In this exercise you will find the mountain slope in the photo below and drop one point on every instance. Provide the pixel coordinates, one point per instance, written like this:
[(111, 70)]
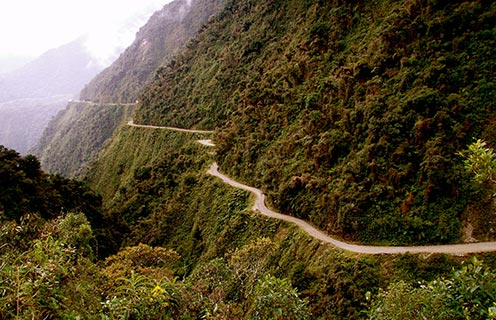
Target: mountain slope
[(22, 121), (155, 187), (74, 137), (25, 189), (349, 115), (167, 31), (295, 116)]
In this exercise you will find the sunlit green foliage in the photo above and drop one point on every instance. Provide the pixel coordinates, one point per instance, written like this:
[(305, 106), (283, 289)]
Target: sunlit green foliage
[(154, 263), (481, 162), (140, 284), (249, 263), (276, 299), (469, 293), (51, 275), (402, 301)]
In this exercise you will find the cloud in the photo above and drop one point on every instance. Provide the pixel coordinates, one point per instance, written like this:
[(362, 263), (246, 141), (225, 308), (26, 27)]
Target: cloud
[(114, 33)]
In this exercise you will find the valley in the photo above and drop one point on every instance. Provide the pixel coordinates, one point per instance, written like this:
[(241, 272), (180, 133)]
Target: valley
[(22, 121), (267, 160)]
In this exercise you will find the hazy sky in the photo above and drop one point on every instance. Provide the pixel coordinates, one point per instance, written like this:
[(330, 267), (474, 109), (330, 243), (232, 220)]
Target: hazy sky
[(30, 27)]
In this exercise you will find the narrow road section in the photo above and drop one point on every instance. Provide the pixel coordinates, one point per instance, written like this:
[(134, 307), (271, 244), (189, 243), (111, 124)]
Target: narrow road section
[(132, 124), (207, 143), (93, 103)]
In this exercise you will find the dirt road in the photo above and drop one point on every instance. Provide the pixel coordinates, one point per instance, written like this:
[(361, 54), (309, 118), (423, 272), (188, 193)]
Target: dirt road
[(132, 124)]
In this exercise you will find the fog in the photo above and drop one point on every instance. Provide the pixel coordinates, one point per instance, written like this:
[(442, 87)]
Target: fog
[(29, 28)]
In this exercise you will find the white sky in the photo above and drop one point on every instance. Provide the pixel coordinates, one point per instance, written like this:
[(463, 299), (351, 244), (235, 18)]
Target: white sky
[(30, 27)]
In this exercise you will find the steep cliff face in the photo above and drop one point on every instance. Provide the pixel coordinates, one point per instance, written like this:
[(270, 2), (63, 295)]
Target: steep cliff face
[(65, 147), (165, 34), (348, 114)]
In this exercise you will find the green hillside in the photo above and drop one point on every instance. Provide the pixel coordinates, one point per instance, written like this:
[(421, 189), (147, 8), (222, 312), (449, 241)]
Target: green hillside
[(348, 114), (26, 189), (352, 115), (160, 194), (225, 262), (74, 137)]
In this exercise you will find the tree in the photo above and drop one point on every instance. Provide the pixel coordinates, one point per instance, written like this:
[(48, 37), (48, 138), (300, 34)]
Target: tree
[(249, 261), (276, 298), (481, 161), (140, 284), (48, 277)]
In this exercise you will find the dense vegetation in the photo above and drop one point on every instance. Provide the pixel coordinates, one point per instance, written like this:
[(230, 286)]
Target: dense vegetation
[(160, 194), (165, 34), (48, 272), (353, 115), (25, 189), (348, 114), (468, 294), (211, 258)]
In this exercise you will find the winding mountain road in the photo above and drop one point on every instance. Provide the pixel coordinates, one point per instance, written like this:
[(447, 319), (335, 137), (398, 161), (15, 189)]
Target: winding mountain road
[(260, 206)]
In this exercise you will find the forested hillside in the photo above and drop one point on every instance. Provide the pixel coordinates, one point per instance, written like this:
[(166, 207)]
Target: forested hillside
[(26, 190), (77, 134), (348, 114), (356, 116), (233, 260)]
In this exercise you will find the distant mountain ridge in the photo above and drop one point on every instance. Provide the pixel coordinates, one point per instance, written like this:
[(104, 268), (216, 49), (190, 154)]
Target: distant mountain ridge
[(10, 63), (64, 70), (31, 95)]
